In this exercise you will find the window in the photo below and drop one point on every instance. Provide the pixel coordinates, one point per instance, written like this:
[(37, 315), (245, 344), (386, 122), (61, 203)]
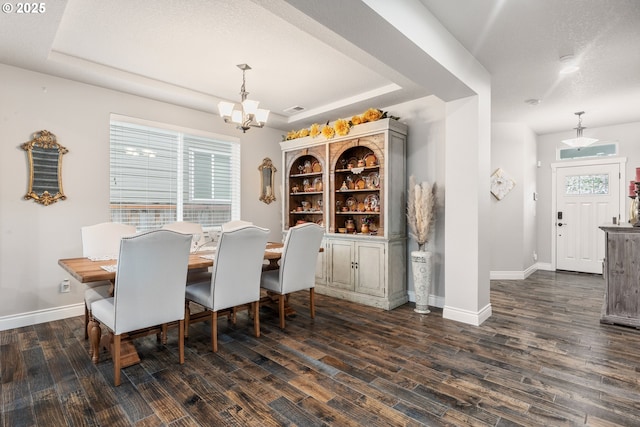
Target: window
[(602, 150), (575, 185), (161, 174)]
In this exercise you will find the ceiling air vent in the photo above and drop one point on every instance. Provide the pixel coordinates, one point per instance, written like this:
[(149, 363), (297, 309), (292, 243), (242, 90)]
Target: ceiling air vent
[(293, 110)]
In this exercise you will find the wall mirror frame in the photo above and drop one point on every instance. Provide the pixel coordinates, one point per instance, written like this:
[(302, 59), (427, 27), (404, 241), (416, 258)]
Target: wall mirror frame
[(267, 180), (45, 168)]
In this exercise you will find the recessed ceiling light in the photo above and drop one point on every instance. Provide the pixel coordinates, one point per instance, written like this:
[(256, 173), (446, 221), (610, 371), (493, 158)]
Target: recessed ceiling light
[(568, 64), (532, 101)]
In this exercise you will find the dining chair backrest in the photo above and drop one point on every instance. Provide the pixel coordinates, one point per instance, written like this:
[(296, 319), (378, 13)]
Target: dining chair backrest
[(232, 225), (103, 239), (299, 257), (150, 280), (237, 266), (186, 227)]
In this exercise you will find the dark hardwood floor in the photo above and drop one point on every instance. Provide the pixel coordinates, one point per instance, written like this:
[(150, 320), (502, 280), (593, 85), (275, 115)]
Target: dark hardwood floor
[(543, 359)]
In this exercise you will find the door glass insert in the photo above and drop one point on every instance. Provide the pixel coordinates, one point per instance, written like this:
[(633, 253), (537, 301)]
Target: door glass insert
[(586, 184)]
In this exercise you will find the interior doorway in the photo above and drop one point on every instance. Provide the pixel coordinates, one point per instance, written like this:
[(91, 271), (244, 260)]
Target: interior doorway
[(587, 195)]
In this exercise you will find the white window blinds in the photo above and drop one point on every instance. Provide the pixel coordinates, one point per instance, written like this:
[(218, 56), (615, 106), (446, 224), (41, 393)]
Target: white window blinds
[(161, 175)]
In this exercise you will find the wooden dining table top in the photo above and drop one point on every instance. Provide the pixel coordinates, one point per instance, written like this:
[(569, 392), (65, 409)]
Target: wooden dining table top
[(85, 270)]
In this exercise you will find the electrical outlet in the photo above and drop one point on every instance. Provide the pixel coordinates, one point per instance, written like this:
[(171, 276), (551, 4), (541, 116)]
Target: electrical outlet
[(65, 286), (535, 256)]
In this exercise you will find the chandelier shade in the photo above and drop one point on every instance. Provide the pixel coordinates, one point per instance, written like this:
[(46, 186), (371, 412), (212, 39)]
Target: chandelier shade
[(248, 114), (579, 141)]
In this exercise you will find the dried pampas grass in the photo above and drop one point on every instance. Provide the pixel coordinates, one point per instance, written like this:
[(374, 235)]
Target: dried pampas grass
[(420, 210)]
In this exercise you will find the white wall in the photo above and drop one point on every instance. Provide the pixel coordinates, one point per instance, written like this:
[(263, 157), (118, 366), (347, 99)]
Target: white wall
[(513, 149), (628, 138), (33, 237), (467, 129), (425, 161)]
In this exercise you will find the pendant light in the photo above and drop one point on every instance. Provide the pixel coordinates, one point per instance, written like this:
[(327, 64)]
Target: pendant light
[(248, 115), (579, 141)]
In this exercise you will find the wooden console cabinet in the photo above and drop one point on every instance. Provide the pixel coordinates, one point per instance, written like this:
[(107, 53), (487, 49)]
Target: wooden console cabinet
[(341, 183), (622, 275)]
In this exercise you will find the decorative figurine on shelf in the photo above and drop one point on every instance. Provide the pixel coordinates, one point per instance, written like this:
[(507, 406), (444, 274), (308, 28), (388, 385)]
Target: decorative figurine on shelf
[(350, 226), (307, 167), (344, 186), (364, 227)]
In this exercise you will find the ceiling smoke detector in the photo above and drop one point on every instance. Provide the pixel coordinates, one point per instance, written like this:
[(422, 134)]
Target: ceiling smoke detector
[(569, 64)]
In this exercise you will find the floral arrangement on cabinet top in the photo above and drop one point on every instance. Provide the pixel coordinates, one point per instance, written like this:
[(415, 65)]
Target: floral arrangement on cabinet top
[(341, 127)]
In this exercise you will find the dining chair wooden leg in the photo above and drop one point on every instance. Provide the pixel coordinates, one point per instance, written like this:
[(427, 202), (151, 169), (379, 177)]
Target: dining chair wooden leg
[(214, 331), (281, 300), (95, 334), (181, 341), (234, 311), (163, 334), (312, 303), (256, 317), (187, 318), (86, 321), (116, 360)]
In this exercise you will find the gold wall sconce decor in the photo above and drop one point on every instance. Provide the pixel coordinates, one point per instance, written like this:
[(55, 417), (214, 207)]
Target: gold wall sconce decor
[(267, 180)]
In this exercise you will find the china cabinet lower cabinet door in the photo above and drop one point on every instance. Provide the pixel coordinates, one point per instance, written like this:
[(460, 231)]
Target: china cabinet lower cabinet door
[(341, 271), (369, 268), (358, 270)]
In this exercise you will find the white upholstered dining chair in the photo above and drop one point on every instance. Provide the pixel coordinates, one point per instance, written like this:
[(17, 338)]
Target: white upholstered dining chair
[(234, 280), (297, 266), (231, 225), (198, 242), (192, 228), (101, 241), (149, 290)]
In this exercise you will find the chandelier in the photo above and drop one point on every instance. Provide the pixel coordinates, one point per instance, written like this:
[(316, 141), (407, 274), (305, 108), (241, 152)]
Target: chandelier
[(249, 115), (579, 141)]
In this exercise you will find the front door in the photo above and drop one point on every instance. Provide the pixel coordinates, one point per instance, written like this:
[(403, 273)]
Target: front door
[(586, 197)]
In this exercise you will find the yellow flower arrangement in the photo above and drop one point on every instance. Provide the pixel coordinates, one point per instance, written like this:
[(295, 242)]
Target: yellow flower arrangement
[(340, 127), (314, 130), (291, 135), (371, 115), (328, 132)]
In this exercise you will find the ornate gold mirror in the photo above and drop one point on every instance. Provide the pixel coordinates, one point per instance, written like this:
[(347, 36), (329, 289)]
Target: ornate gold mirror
[(45, 168), (267, 180)]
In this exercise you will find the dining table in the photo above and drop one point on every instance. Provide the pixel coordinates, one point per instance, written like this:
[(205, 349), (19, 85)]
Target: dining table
[(87, 270)]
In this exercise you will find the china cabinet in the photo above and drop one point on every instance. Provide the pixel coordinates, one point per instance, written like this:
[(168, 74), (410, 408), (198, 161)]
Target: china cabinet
[(354, 186)]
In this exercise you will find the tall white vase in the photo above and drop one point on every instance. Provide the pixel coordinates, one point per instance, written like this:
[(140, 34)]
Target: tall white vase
[(421, 267)]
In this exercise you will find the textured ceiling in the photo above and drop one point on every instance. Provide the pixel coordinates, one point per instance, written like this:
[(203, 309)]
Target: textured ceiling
[(314, 54), (520, 43)]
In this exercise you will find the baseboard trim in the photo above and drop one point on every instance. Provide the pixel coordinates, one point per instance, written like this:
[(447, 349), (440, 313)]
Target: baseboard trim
[(40, 316), (466, 316), (513, 275), (434, 300), (546, 266)]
